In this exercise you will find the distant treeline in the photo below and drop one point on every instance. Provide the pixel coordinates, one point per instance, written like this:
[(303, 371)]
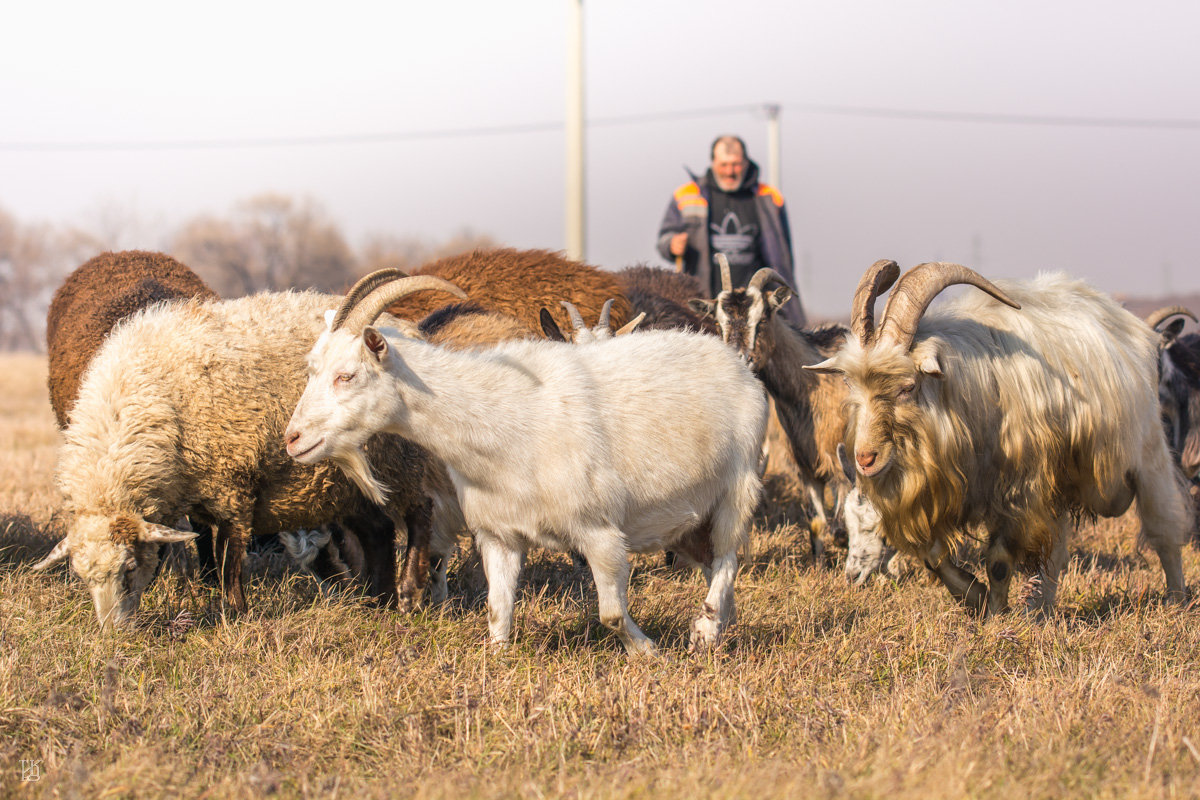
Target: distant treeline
[(268, 242)]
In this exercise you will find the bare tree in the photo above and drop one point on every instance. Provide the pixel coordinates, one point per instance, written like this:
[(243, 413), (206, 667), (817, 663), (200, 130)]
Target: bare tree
[(33, 260), (271, 242), (409, 252)]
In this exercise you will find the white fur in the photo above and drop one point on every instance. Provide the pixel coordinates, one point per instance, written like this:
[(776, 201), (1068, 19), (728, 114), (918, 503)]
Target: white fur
[(627, 444)]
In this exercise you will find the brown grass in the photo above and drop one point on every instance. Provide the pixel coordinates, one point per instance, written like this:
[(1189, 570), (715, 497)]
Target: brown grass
[(822, 691)]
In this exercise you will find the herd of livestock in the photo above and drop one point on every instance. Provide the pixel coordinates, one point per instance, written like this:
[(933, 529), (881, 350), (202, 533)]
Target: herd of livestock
[(450, 402)]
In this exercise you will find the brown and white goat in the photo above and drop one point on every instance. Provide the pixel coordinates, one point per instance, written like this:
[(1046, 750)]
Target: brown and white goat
[(809, 406)]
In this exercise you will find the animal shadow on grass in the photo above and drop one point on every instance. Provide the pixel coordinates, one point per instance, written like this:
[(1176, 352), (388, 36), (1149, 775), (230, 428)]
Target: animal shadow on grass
[(23, 541)]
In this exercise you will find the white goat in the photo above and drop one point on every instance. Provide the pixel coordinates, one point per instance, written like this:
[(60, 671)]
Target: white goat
[(636, 443), (1016, 420)]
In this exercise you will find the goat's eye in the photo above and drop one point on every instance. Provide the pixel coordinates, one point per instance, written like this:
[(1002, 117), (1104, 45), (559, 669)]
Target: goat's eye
[(344, 377), (906, 391)]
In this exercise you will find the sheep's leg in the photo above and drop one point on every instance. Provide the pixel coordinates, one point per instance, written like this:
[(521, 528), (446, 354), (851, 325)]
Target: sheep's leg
[(962, 585), (1041, 600), (206, 554), (376, 533), (606, 555), (232, 536), (999, 563), (502, 566), (1166, 520), (414, 574)]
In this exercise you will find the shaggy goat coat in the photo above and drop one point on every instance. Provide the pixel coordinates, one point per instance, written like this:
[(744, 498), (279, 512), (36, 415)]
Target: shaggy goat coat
[(1043, 412)]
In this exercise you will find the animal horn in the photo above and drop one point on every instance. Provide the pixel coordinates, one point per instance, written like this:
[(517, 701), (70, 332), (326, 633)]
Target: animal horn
[(916, 291), (1160, 316), (361, 289), (874, 282), (763, 277), (606, 313), (726, 279), (576, 318), (631, 326), (368, 309)]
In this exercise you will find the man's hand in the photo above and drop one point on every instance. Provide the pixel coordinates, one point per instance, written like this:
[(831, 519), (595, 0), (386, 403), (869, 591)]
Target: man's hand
[(679, 243)]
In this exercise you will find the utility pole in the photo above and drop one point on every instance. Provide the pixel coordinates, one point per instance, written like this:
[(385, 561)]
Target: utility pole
[(576, 234), (773, 148)]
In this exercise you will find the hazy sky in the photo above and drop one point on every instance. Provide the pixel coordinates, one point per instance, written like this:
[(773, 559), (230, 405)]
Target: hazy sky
[(1116, 204)]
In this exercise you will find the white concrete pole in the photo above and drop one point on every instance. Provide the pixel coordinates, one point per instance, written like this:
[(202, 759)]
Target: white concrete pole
[(773, 148), (576, 224)]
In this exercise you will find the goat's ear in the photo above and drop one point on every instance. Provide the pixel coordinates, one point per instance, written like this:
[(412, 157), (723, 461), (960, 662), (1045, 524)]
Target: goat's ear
[(60, 551), (777, 298), (161, 534), (705, 308), (827, 367), (550, 327), (1171, 331), (376, 344), (847, 465)]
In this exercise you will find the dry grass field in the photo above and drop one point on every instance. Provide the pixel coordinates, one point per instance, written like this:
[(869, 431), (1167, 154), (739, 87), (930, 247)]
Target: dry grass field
[(822, 691)]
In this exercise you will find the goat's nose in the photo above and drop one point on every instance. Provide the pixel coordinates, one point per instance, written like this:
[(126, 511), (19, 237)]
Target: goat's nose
[(291, 436), (865, 460)]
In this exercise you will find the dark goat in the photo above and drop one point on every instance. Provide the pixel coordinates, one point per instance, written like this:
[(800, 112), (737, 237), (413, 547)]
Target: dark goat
[(1179, 385), (663, 297), (809, 405)]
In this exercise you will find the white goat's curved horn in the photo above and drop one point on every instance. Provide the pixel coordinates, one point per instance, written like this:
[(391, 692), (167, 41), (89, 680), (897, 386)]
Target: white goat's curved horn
[(726, 279), (916, 291), (1156, 318), (878, 278), (370, 307), (364, 287), (631, 326), (576, 318), (606, 314)]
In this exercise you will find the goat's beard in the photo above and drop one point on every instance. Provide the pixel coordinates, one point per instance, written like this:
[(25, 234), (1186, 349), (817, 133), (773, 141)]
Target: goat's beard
[(357, 468)]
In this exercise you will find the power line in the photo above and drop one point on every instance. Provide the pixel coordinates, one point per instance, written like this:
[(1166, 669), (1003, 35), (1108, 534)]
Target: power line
[(628, 119)]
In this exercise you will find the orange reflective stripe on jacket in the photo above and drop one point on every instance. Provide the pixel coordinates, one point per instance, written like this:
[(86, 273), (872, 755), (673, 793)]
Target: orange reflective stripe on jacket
[(689, 195), (772, 192)]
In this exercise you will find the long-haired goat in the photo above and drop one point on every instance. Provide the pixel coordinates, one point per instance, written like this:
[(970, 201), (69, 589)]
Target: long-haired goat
[(182, 412), (810, 407), (634, 443), (1017, 420)]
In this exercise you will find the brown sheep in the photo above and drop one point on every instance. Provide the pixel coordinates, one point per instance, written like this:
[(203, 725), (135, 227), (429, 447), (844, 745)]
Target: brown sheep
[(520, 283), (95, 297)]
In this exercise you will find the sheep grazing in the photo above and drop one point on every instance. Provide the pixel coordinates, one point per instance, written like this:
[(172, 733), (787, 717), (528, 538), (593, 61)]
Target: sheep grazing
[(1179, 385), (634, 443), (809, 406), (95, 297), (980, 414), (182, 413), (519, 283)]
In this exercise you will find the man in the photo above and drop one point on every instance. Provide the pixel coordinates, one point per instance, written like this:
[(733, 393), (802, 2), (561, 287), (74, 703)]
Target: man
[(728, 211)]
